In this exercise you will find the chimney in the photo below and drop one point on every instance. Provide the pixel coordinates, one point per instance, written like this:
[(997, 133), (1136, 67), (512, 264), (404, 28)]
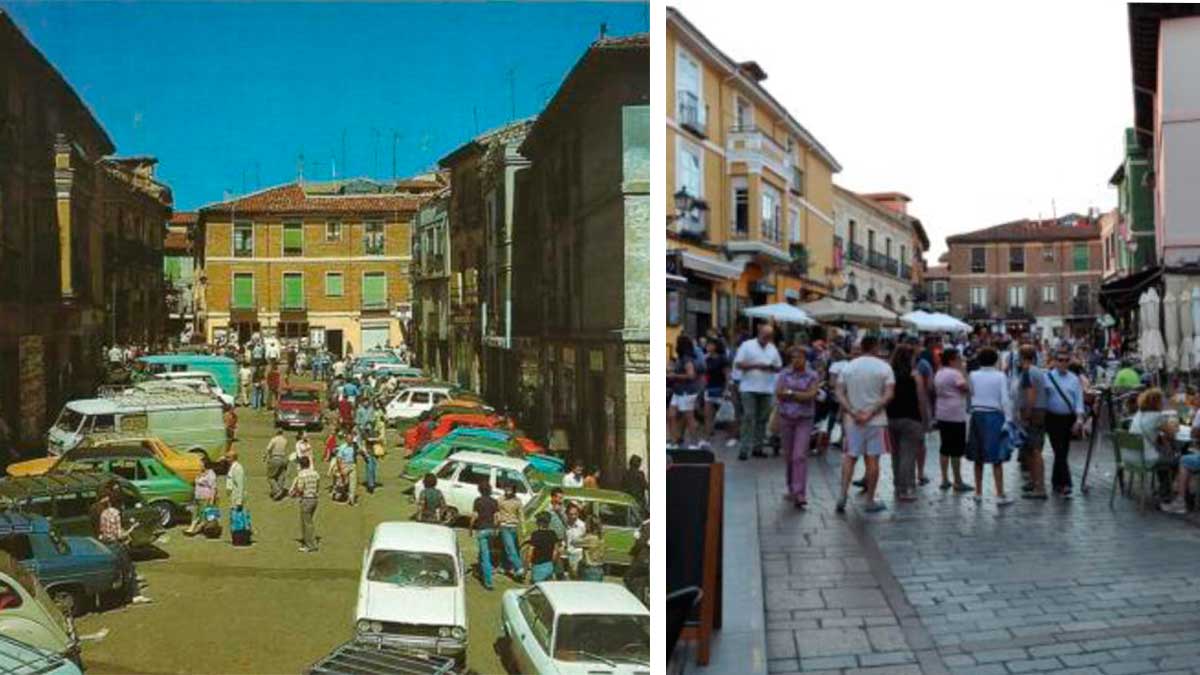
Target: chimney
[(893, 201), (603, 30), (752, 70)]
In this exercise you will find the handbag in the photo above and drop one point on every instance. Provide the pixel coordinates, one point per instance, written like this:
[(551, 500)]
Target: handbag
[(725, 413)]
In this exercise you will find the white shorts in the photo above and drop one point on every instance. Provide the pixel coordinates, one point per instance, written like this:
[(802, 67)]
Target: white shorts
[(684, 402), (865, 440)]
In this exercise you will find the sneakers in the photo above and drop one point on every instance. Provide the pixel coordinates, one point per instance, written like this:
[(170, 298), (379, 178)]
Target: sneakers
[(963, 487), (704, 445), (1034, 495), (875, 507), (978, 498), (946, 485), (860, 483), (841, 504), (923, 480), (1004, 500), (1176, 506), (731, 443)]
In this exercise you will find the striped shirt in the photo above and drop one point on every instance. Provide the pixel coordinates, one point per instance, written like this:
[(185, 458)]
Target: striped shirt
[(307, 484)]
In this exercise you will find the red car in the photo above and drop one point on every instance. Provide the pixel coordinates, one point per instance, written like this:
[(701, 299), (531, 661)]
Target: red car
[(299, 407), (422, 433)]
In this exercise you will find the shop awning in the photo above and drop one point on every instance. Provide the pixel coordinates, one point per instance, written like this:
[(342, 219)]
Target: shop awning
[(1121, 295), (711, 267)]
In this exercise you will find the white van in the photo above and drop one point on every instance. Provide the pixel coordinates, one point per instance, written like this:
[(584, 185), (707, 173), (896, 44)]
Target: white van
[(459, 478), (412, 592), (184, 420), (411, 402), (200, 381)]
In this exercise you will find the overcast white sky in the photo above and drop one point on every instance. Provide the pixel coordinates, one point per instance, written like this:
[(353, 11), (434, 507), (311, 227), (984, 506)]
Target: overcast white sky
[(982, 113)]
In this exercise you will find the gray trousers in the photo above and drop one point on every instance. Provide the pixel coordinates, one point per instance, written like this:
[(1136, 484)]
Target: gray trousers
[(906, 436), (277, 476), (308, 531), (756, 410)]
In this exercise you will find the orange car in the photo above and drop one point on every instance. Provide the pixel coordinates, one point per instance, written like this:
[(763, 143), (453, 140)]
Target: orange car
[(433, 429), (185, 465)]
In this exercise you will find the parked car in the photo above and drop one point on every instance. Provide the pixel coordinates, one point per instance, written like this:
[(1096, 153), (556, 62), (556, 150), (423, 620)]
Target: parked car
[(460, 476), (576, 627), (186, 420), (408, 404), (434, 429), (200, 381), (223, 369), (186, 465), (28, 614), (619, 513), (299, 407), (65, 499), (78, 572), (412, 591), (19, 658), (348, 659), (366, 361), (490, 441), (169, 494)]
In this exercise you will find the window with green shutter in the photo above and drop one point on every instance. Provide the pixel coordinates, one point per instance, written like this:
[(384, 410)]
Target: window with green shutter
[(293, 239), (243, 290), (293, 290), (1081, 257), (374, 293), (334, 284)]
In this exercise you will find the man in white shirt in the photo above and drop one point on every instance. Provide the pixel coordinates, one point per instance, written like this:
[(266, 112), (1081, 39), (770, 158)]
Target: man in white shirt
[(864, 388), (759, 361)]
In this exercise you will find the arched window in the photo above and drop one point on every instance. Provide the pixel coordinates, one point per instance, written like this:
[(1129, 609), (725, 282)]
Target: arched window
[(851, 293), (871, 294), (887, 300)]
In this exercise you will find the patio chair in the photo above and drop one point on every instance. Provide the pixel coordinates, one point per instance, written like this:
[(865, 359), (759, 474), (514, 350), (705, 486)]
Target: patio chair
[(1129, 454)]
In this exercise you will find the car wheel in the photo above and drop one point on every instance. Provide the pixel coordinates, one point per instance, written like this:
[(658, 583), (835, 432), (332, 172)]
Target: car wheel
[(69, 600), (449, 516), (166, 512)]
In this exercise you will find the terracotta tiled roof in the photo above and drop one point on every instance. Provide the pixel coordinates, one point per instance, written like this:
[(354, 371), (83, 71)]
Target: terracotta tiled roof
[(292, 198), (183, 218), (1030, 230), (176, 240)]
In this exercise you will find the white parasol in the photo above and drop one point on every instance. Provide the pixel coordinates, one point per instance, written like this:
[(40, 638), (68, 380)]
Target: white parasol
[(780, 311), (1170, 326), (861, 312), (1196, 327), (935, 322), (1150, 341), (1186, 331)]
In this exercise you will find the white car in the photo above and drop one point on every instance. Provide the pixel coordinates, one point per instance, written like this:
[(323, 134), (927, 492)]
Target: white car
[(198, 380), (460, 475), (575, 628), (411, 402), (412, 592)]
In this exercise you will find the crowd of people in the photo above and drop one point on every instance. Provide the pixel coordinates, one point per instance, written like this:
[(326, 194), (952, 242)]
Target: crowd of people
[(989, 397)]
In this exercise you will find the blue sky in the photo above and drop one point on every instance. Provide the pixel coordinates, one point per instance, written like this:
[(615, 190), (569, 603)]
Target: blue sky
[(228, 96)]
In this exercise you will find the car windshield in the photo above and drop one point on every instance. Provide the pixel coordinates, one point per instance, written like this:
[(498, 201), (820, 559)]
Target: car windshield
[(412, 568), (598, 637), (69, 420), (302, 395)]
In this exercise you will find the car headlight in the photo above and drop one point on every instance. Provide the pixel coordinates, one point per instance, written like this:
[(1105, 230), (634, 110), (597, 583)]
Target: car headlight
[(458, 633), (444, 631), (376, 627), (363, 626)]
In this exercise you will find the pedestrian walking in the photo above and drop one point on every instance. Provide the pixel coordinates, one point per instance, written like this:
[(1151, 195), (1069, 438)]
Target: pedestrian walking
[(864, 389), (907, 416), (990, 404), (483, 524), (347, 463), (230, 419), (509, 519), (795, 392), (716, 372), (276, 461), (258, 397), (272, 386), (116, 537), (370, 464), (759, 361), (1064, 419), (204, 495), (303, 449), (1029, 405), (575, 477), (544, 549), (306, 487), (575, 529), (245, 381), (634, 483), (558, 523), (950, 412), (235, 480), (431, 503), (592, 551), (685, 383)]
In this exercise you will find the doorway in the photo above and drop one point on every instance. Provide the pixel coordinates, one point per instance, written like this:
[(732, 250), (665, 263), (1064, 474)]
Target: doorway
[(333, 341)]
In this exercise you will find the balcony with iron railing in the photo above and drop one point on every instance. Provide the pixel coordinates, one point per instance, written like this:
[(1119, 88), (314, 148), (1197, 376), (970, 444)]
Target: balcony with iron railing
[(906, 271), (941, 298), (876, 260), (855, 253), (1018, 313), (978, 312), (692, 114), (892, 266), (1081, 307)]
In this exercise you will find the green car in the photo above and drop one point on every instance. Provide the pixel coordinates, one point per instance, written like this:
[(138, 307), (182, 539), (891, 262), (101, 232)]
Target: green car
[(492, 441), (620, 514), (159, 486), (65, 499)]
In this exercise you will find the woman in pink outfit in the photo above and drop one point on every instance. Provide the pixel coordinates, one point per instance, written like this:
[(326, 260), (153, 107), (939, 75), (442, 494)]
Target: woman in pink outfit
[(795, 392)]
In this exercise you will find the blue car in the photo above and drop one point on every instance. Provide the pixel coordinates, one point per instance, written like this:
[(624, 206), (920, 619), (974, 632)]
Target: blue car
[(77, 572)]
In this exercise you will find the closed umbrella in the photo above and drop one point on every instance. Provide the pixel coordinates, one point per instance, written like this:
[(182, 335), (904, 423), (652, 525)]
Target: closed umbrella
[(1186, 331), (1196, 327), (1170, 328), (1154, 350)]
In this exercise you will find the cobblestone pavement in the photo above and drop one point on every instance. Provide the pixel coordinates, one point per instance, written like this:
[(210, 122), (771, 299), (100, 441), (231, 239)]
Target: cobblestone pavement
[(945, 585)]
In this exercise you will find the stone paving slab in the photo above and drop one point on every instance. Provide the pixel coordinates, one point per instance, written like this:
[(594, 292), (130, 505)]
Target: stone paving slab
[(948, 585)]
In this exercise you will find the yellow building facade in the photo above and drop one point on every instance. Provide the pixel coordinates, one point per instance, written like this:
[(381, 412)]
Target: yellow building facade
[(750, 192)]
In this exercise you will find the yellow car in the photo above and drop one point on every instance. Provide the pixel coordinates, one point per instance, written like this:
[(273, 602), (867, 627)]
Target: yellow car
[(185, 465)]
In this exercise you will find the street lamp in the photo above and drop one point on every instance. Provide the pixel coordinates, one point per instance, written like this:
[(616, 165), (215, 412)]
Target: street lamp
[(683, 202)]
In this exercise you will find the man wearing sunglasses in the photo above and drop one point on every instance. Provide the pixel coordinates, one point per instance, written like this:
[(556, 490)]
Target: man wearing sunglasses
[(1064, 418)]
